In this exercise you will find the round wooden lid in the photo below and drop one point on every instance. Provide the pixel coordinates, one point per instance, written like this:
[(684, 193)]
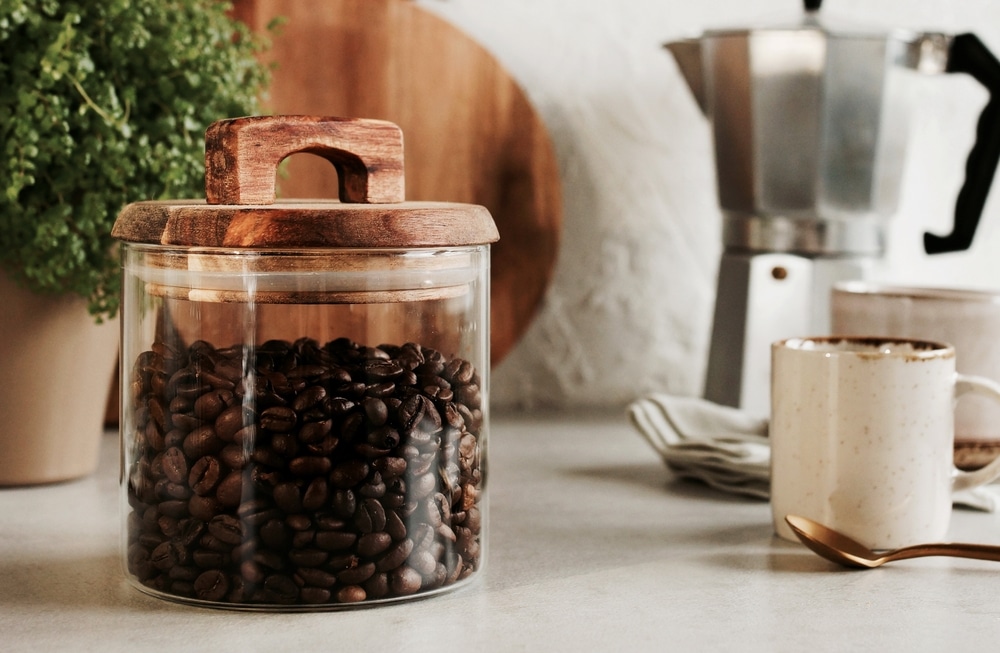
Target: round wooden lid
[(240, 211)]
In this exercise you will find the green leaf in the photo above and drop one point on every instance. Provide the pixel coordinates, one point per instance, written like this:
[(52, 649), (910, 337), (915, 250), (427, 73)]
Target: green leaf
[(106, 103)]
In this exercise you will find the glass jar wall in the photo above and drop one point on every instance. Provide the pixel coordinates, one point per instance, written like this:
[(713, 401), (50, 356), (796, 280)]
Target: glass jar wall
[(304, 429)]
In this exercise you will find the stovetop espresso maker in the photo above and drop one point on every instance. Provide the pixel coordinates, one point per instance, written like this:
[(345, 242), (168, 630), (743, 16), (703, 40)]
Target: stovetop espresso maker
[(809, 127)]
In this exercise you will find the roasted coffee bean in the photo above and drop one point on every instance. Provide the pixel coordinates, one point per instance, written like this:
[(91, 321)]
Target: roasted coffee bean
[(175, 465), (314, 595), (351, 594), (313, 432), (230, 490), (284, 444), (211, 585), (335, 540), (309, 466), (208, 559), (204, 475), (278, 418), (165, 556), (288, 497), (394, 525), (226, 528), (377, 587), (281, 589), (344, 503), (356, 574), (308, 398), (370, 516), (316, 577), (395, 556), (381, 369), (203, 508), (316, 494), (202, 442), (210, 405), (234, 456), (405, 581), (390, 466), (372, 544), (376, 411), (307, 557), (231, 420), (349, 474)]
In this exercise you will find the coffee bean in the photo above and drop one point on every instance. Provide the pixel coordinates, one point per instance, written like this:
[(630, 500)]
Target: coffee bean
[(309, 397), (201, 442), (307, 557), (204, 475), (395, 556), (231, 420), (405, 581), (210, 405), (335, 540), (349, 474), (226, 528), (372, 544), (281, 589), (316, 494), (211, 585), (230, 490), (370, 516), (278, 418), (316, 577), (356, 574)]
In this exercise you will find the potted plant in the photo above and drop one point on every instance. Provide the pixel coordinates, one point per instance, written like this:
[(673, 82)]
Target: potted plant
[(104, 103)]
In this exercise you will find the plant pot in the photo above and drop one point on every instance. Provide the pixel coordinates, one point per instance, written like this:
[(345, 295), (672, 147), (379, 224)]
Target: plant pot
[(56, 365)]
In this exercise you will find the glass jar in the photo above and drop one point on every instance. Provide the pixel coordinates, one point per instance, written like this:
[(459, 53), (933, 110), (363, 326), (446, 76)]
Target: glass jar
[(304, 385)]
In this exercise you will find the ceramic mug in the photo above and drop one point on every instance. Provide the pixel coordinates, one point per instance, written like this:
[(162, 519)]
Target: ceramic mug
[(862, 434), (968, 319)]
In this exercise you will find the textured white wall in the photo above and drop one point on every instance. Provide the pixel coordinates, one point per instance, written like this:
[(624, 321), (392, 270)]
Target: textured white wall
[(630, 307)]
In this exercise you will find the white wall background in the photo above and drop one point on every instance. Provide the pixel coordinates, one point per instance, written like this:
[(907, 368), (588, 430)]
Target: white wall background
[(630, 307)]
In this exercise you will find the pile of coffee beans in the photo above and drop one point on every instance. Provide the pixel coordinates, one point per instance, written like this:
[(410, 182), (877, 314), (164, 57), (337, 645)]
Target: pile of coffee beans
[(297, 474)]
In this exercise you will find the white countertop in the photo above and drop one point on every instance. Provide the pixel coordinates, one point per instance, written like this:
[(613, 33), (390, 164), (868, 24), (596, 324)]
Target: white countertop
[(593, 547)]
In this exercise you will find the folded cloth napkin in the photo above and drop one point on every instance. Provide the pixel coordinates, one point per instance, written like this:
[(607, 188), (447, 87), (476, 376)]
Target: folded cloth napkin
[(728, 449)]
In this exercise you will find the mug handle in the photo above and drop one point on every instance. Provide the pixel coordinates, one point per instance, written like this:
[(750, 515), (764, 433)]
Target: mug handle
[(965, 384)]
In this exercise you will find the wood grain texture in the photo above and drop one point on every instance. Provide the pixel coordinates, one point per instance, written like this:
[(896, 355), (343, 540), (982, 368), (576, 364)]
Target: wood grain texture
[(242, 156), (471, 134), (304, 223)]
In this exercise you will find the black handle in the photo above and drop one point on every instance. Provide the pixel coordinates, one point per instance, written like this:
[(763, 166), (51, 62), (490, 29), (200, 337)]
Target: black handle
[(813, 5), (969, 55)]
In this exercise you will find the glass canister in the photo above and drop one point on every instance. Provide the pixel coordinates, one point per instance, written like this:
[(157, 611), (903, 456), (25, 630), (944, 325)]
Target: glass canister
[(304, 384)]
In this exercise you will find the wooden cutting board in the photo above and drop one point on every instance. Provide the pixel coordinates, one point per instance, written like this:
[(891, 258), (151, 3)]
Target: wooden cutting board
[(470, 134)]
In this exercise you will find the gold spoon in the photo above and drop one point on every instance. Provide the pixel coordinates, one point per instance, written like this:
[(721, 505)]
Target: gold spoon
[(839, 548)]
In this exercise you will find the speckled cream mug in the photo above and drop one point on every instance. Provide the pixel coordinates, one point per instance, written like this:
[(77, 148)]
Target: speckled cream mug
[(862, 433)]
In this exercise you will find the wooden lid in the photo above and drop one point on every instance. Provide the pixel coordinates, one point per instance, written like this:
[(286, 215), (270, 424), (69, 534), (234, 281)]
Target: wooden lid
[(241, 161)]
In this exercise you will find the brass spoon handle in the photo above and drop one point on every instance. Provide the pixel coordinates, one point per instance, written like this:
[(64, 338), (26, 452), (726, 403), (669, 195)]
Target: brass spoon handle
[(957, 550)]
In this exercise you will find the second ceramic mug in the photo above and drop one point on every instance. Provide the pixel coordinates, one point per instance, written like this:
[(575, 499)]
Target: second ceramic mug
[(968, 319), (862, 435)]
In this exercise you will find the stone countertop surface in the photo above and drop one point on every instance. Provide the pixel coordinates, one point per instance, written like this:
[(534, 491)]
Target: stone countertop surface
[(593, 546)]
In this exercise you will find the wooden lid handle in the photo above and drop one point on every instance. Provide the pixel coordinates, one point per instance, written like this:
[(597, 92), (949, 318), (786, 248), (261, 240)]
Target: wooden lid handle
[(242, 157)]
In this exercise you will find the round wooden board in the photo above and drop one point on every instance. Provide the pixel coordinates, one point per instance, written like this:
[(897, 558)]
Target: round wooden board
[(470, 134)]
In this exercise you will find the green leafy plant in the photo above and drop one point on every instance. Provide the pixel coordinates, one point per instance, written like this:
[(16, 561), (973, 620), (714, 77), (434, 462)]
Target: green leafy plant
[(102, 103)]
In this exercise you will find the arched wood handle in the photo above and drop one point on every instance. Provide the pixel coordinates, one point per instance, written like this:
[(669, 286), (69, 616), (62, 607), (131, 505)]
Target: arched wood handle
[(242, 157)]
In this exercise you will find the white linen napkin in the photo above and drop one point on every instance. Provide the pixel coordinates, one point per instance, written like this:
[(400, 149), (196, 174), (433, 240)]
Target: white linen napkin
[(728, 449)]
